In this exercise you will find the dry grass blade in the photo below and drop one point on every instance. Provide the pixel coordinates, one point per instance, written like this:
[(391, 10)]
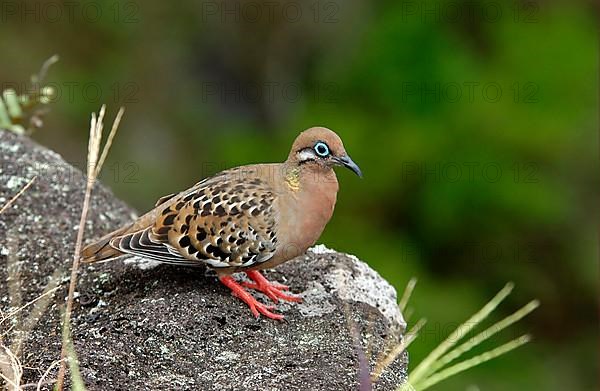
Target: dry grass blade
[(13, 270), (10, 369), (42, 302), (39, 307), (42, 380), (407, 293), (16, 196), (109, 141), (41, 75), (408, 313), (391, 342), (93, 169), (389, 358), (13, 312)]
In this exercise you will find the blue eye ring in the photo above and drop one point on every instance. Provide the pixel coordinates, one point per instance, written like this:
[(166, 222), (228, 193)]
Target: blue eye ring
[(322, 149)]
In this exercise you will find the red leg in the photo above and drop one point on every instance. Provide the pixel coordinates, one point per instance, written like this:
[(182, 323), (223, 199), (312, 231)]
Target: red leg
[(272, 290), (256, 307)]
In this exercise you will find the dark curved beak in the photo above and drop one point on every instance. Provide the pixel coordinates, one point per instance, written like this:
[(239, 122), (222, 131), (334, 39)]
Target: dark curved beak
[(348, 163)]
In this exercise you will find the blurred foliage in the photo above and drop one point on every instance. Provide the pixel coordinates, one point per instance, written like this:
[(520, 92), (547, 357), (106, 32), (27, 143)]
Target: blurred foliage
[(19, 111), (477, 135)]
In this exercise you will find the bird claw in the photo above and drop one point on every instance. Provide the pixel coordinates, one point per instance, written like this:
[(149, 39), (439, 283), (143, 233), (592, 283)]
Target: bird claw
[(255, 306), (259, 308), (273, 290), (253, 285)]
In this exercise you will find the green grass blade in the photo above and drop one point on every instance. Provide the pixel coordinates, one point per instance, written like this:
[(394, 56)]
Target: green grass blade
[(12, 103), (5, 121), (423, 368), (484, 335), (77, 383), (470, 363)]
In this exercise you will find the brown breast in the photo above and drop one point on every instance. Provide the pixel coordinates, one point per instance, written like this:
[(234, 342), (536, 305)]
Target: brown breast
[(304, 211)]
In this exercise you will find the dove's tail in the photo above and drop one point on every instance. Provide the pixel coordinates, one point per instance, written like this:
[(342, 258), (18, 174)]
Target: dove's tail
[(101, 250)]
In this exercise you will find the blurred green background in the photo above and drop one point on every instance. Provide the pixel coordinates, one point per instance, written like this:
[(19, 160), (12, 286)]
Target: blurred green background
[(475, 124)]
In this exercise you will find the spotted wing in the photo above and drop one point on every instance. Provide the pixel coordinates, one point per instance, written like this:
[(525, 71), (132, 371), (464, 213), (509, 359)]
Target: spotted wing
[(226, 221)]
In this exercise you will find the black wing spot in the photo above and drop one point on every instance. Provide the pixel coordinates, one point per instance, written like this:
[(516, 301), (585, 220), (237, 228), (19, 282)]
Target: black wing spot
[(201, 235), (216, 252), (220, 211), (185, 241), (169, 219)]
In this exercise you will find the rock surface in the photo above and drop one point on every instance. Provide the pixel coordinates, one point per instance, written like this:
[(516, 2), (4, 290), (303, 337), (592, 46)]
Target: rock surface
[(138, 325)]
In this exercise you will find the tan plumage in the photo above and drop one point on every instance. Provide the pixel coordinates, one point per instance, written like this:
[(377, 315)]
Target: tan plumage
[(243, 219)]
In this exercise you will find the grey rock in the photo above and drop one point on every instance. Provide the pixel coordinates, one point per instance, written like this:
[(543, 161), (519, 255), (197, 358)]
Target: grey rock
[(139, 325)]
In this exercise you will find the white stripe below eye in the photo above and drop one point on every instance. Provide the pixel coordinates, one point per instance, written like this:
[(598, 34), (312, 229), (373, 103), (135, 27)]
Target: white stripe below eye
[(306, 154)]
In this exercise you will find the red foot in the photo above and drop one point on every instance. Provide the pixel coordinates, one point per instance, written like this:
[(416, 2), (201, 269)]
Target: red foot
[(256, 307), (272, 289)]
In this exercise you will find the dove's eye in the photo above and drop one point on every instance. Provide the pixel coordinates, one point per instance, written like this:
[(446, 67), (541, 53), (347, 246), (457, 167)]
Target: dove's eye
[(321, 149)]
